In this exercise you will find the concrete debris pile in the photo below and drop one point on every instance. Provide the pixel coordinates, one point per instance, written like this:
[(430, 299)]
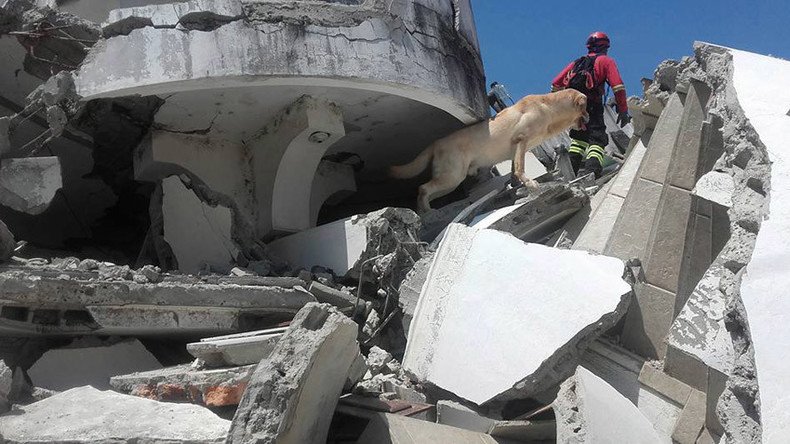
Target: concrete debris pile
[(197, 245)]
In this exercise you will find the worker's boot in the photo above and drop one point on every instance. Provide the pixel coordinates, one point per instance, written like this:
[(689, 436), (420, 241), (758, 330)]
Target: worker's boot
[(591, 165), (576, 161)]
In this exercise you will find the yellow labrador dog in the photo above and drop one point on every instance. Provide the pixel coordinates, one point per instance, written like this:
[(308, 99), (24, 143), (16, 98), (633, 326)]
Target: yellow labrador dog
[(508, 135)]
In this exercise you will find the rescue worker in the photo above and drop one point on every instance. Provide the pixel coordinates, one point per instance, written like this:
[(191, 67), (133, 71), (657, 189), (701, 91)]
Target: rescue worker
[(497, 96), (588, 75)]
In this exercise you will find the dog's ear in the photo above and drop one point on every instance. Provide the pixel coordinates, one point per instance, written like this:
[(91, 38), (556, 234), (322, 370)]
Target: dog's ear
[(581, 102)]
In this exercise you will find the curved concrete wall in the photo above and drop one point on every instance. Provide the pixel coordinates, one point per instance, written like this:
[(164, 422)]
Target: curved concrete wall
[(424, 50)]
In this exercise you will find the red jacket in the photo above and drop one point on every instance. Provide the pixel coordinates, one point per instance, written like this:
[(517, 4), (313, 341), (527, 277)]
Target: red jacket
[(605, 70)]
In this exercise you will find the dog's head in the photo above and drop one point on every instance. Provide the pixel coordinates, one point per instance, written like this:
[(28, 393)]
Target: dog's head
[(580, 110)]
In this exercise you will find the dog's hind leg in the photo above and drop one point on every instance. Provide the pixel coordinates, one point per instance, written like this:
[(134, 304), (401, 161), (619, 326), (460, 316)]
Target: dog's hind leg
[(448, 172), (518, 166)]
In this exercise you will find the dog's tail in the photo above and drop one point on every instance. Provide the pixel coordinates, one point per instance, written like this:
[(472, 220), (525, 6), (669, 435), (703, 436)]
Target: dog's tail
[(413, 168)]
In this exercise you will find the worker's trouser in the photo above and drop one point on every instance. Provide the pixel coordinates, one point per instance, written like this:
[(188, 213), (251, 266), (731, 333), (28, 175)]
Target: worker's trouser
[(588, 145)]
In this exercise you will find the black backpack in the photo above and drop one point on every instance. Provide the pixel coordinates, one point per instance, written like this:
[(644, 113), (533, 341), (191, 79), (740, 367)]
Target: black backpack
[(582, 76)]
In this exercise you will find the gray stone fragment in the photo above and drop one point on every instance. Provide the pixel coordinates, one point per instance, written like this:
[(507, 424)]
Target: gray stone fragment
[(29, 184), (6, 379), (589, 410), (292, 394), (234, 350), (7, 242), (86, 415), (386, 428)]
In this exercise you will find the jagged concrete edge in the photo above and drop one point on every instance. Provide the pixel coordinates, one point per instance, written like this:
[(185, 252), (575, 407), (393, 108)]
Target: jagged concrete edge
[(738, 406), (563, 362)]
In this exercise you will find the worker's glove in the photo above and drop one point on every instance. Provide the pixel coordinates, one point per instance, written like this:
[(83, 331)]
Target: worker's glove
[(623, 119)]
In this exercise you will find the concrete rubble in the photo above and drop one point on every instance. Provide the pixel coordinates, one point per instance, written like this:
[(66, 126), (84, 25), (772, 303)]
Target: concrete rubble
[(194, 229)]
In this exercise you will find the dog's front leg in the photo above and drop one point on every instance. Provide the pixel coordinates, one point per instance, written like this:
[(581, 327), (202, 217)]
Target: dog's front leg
[(518, 167)]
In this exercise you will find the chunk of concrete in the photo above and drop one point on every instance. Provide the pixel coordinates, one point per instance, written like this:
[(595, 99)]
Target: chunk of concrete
[(590, 410), (235, 350), (29, 184), (716, 186), (87, 415), (183, 383), (475, 299), (7, 242), (458, 415), (292, 394), (76, 366), (386, 428), (6, 381), (187, 218), (336, 245)]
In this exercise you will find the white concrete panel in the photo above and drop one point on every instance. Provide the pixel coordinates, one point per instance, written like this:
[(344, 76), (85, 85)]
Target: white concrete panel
[(521, 319), (760, 83)]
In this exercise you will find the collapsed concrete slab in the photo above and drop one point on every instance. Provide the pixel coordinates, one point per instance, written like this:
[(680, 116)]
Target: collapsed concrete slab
[(90, 363), (29, 184), (87, 415), (184, 383), (88, 303), (590, 410), (292, 394), (233, 350), (482, 275), (386, 428)]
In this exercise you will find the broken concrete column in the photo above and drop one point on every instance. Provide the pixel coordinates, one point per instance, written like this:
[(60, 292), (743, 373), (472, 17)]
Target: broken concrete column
[(87, 415), (7, 242), (187, 218), (29, 184), (89, 362), (285, 155), (590, 410), (292, 394), (481, 275)]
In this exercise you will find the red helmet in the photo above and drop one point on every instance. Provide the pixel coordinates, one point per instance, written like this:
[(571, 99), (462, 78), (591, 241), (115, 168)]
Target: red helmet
[(598, 39)]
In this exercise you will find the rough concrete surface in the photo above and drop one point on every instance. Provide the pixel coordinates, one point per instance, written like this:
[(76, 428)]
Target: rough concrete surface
[(29, 184), (481, 275), (292, 394), (590, 410), (184, 383), (87, 415)]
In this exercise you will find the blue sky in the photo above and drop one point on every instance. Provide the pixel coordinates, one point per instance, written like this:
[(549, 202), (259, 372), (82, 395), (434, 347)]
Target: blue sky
[(524, 43)]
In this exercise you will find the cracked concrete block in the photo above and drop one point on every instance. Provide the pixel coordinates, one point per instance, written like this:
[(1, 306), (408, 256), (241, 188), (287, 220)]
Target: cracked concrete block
[(183, 383), (292, 394), (187, 218), (235, 350), (666, 250), (203, 15), (29, 184), (655, 165), (688, 156), (590, 410), (336, 245), (471, 277), (410, 289), (87, 363), (631, 233), (717, 187), (648, 320), (87, 415), (386, 428)]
